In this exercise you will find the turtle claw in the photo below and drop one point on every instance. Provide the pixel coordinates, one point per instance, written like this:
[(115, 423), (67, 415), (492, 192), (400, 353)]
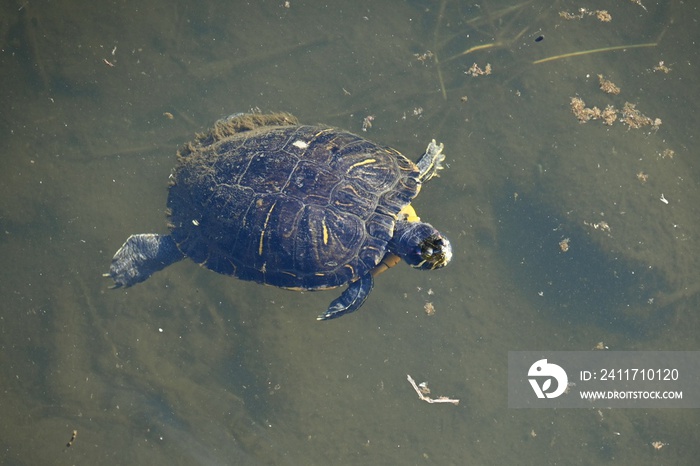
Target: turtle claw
[(351, 299)]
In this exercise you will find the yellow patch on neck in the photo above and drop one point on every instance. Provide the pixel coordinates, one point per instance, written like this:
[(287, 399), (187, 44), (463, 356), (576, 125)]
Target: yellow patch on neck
[(408, 214)]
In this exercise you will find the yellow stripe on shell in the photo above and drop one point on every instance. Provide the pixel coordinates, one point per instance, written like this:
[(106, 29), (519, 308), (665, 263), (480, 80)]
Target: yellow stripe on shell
[(364, 162), (324, 130), (325, 232), (264, 229)]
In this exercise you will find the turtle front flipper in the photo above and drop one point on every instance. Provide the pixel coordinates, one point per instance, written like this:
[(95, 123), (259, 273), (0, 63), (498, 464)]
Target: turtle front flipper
[(351, 299), (140, 257), (431, 161)]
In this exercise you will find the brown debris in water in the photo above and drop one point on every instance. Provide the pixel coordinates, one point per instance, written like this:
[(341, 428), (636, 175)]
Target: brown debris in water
[(476, 70), (635, 119), (607, 86), (629, 114), (584, 114), (602, 15)]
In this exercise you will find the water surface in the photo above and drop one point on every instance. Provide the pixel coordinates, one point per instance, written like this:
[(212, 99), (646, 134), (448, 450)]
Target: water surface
[(195, 368)]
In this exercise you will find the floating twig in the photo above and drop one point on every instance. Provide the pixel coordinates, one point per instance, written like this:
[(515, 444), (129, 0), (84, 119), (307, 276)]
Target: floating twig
[(422, 396)]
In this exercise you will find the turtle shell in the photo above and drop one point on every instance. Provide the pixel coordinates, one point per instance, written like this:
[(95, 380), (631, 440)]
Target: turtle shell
[(262, 198)]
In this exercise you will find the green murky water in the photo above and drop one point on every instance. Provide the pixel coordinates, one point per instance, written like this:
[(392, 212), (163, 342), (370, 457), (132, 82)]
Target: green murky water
[(195, 368)]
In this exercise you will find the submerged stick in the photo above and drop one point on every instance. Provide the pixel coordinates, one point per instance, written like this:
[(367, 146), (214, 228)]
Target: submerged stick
[(588, 52), (475, 49), (435, 55)]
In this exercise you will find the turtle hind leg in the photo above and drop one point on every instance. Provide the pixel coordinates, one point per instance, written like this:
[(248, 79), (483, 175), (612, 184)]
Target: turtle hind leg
[(431, 161), (351, 299), (140, 257)]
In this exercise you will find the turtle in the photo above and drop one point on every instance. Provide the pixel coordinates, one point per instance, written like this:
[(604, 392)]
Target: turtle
[(264, 198)]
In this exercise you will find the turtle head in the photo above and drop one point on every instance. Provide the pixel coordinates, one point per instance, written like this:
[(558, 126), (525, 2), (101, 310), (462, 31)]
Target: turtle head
[(421, 245)]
